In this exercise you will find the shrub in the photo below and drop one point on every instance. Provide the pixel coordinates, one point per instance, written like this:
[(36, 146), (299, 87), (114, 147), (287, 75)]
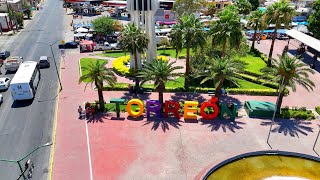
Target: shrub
[(119, 67), (296, 113), (318, 109)]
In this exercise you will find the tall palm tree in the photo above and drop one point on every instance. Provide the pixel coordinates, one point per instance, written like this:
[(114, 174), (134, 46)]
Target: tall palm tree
[(256, 23), (278, 13), (176, 41), (160, 72), (220, 70), (97, 73), (134, 40), (227, 28), (192, 36), (289, 72)]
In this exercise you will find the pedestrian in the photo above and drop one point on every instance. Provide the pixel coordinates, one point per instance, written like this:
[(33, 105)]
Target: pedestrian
[(80, 110), (87, 112), (92, 111), (259, 38), (87, 104)]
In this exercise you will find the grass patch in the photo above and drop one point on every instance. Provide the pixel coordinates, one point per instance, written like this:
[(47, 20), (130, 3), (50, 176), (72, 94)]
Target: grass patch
[(85, 62), (250, 85), (296, 113), (253, 64), (167, 52)]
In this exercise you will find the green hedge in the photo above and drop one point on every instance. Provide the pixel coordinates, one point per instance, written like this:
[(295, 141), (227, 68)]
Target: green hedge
[(257, 92), (318, 109), (296, 113), (260, 81)]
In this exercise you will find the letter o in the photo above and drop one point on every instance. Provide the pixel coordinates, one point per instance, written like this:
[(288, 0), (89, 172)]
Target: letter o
[(133, 113), (209, 116)]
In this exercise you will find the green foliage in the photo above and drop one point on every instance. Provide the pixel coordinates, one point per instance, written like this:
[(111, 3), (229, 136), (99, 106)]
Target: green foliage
[(256, 23), (244, 6), (181, 7), (26, 7), (103, 25), (226, 29), (254, 4), (160, 72), (86, 62), (296, 113), (253, 64), (318, 109), (19, 16), (314, 20)]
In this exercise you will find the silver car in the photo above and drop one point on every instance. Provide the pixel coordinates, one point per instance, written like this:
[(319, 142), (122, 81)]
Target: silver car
[(4, 83)]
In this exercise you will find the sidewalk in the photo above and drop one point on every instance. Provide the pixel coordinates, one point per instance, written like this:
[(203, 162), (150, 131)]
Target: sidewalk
[(167, 149)]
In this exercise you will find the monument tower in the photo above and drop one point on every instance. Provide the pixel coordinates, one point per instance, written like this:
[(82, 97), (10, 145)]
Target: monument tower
[(142, 15)]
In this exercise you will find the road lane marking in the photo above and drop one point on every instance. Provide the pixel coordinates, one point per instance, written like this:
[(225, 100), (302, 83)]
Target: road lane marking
[(89, 153), (54, 130)]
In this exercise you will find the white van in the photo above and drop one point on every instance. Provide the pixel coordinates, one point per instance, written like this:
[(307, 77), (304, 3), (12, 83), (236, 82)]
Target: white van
[(104, 46)]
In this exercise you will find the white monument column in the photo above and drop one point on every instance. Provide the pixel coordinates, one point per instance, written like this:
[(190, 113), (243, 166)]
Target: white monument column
[(142, 15)]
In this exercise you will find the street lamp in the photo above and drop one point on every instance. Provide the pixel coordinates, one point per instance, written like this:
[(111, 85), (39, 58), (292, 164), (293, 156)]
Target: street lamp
[(31, 152), (54, 59)]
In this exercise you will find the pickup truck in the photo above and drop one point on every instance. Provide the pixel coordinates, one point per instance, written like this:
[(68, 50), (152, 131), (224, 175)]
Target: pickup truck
[(13, 63), (105, 46)]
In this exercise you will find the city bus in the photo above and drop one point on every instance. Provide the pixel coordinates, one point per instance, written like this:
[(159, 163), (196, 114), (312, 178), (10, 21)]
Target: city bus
[(25, 82)]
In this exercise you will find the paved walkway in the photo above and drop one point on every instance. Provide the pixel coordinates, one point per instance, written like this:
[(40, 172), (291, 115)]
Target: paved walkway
[(148, 149)]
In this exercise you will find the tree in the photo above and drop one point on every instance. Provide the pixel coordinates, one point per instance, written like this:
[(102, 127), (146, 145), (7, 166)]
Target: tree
[(134, 40), (254, 4), (221, 70), (160, 72), (255, 22), (164, 42), (227, 28), (211, 8), (26, 8), (187, 7), (244, 6), (278, 13), (314, 20), (288, 72), (176, 40), (189, 30), (97, 73), (104, 25), (20, 19)]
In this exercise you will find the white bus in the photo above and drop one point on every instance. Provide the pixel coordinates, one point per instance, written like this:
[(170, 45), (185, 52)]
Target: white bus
[(25, 82)]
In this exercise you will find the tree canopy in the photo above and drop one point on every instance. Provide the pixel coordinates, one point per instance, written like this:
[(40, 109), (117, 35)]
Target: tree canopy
[(244, 6), (187, 7), (254, 4), (314, 20), (104, 25)]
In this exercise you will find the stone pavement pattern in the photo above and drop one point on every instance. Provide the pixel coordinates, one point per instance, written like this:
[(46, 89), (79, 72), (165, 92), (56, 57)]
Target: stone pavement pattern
[(166, 149)]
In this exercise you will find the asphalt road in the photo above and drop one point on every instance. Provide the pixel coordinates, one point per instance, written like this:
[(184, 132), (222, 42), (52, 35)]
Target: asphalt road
[(26, 125)]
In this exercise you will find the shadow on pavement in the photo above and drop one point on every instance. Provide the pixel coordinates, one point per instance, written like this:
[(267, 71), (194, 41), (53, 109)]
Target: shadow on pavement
[(163, 123), (306, 58), (230, 99), (291, 127), (20, 104), (129, 96), (223, 124), (181, 97), (97, 118)]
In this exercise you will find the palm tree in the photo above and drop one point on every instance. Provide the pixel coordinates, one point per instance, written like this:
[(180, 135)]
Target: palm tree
[(97, 73), (189, 31), (220, 70), (134, 40), (289, 71), (160, 72), (228, 27), (176, 41), (255, 22), (278, 13)]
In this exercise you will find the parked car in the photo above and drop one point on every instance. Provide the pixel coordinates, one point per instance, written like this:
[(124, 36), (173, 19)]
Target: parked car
[(44, 62), (4, 83), (68, 45), (4, 54), (104, 46), (1, 99), (13, 63)]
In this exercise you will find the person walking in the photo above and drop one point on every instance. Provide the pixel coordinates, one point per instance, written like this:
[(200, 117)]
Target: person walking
[(87, 112), (80, 110)]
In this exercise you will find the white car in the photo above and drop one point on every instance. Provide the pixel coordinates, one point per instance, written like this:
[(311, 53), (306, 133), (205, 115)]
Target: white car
[(4, 83), (1, 98)]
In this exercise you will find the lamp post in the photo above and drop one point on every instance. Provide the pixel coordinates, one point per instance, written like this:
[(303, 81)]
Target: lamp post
[(54, 59), (19, 161)]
